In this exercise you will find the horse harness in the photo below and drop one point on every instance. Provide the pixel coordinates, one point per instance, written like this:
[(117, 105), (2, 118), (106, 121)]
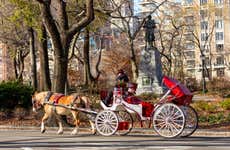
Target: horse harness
[(57, 98), (55, 101)]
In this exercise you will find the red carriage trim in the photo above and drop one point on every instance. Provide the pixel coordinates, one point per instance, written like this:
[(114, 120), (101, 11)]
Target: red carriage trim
[(133, 100), (123, 125), (147, 108)]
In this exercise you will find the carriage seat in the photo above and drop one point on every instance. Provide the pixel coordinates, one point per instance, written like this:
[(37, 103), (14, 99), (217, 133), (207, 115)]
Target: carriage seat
[(147, 108)]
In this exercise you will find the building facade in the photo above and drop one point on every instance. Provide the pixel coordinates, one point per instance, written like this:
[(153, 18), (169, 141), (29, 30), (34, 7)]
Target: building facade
[(6, 67), (208, 30)]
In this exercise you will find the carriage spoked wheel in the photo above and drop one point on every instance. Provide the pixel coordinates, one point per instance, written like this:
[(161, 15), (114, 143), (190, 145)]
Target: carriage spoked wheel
[(125, 124), (106, 122), (191, 121), (169, 120)]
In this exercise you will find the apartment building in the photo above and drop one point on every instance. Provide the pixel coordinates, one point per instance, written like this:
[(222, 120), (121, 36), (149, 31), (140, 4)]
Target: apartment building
[(6, 68), (208, 38)]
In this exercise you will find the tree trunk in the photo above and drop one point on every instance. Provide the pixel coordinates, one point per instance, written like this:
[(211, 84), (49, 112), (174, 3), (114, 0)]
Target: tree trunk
[(88, 78), (45, 82), (133, 62), (33, 59), (15, 68), (61, 34)]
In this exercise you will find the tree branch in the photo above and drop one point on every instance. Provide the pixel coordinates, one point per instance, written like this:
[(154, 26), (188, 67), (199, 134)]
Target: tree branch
[(89, 16)]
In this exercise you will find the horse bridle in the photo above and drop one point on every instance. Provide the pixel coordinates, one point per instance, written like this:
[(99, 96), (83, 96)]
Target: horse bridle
[(38, 105)]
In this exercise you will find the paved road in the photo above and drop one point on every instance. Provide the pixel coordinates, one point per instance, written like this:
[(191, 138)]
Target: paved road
[(34, 140)]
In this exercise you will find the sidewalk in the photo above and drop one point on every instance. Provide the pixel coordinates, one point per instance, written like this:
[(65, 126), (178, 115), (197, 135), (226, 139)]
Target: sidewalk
[(199, 132)]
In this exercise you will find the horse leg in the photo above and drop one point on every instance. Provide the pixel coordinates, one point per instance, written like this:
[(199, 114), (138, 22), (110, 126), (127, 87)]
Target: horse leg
[(76, 122), (60, 129), (44, 119), (93, 129)]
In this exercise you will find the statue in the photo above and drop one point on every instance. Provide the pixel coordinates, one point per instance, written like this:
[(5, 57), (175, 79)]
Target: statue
[(149, 26)]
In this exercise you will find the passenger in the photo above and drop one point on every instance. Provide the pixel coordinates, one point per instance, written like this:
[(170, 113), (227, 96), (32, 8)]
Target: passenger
[(132, 87)]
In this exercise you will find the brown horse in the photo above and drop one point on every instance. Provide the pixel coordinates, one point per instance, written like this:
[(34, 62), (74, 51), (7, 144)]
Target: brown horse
[(41, 99)]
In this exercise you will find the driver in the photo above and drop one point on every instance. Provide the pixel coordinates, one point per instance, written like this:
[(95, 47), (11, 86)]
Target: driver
[(121, 82)]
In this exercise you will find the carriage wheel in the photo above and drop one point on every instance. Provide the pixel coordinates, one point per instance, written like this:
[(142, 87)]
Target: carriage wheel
[(125, 122), (168, 120), (106, 122), (191, 121)]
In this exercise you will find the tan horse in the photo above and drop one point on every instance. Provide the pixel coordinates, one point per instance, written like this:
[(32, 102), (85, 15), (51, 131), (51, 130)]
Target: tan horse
[(40, 99)]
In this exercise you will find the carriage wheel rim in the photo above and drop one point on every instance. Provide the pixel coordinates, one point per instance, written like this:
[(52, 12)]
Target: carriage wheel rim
[(125, 116), (106, 123), (191, 121), (169, 120)]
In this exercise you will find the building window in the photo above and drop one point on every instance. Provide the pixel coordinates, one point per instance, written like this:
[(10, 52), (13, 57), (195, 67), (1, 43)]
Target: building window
[(218, 2), (203, 14), (218, 12), (191, 72), (219, 24), (204, 36), (191, 63), (189, 37), (220, 72), (204, 25), (188, 2), (190, 46), (202, 2), (207, 61), (219, 36), (220, 60), (146, 81), (190, 54), (189, 20), (219, 47), (205, 48)]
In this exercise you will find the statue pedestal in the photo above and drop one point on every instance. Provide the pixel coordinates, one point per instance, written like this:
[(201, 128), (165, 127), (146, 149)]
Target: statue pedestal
[(150, 72)]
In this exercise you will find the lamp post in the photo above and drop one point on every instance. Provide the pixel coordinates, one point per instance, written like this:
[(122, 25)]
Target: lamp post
[(204, 89)]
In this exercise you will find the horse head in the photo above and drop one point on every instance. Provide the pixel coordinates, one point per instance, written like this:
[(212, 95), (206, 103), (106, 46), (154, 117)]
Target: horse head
[(38, 100)]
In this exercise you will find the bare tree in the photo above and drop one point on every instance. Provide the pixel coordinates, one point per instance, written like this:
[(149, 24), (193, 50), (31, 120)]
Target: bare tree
[(56, 20), (125, 24), (171, 44)]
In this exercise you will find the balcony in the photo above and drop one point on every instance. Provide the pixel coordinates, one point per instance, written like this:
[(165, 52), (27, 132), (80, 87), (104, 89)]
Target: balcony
[(217, 66)]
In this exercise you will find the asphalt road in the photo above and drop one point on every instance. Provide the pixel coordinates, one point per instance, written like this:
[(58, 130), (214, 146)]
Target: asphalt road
[(34, 140)]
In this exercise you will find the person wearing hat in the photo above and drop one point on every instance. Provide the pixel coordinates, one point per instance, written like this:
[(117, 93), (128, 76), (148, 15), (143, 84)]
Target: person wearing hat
[(121, 82)]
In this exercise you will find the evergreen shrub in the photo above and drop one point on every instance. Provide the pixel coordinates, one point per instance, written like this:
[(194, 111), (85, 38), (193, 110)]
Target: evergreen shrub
[(13, 93)]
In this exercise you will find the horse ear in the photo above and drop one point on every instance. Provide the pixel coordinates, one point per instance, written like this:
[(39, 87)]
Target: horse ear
[(34, 93)]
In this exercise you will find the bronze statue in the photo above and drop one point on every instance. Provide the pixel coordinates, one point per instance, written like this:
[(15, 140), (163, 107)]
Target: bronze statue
[(149, 26)]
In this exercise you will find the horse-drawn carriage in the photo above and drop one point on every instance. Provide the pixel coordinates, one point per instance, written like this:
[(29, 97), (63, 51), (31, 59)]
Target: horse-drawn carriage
[(171, 116)]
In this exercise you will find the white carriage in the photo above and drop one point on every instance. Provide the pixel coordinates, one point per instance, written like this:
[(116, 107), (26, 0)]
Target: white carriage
[(170, 117)]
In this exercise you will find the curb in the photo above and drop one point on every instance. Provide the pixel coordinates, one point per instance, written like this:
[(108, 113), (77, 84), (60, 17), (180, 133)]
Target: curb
[(198, 132)]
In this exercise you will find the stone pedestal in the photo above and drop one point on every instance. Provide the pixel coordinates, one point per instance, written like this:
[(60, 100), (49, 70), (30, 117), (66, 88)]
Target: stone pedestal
[(150, 72)]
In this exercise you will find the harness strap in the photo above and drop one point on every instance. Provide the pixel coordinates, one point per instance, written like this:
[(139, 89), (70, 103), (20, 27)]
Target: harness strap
[(57, 97), (49, 94)]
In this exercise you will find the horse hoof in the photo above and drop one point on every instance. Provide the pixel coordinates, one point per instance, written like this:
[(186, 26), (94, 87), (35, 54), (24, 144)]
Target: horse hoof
[(94, 132), (43, 131), (74, 132), (60, 132)]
